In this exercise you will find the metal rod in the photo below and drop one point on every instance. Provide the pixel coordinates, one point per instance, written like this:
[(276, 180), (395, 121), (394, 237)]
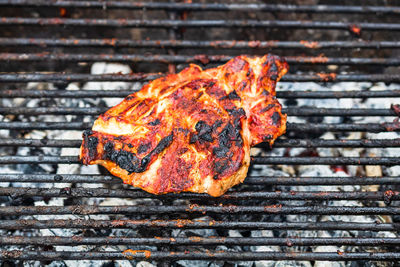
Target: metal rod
[(124, 93), (252, 180), (386, 161), (194, 224), (292, 111), (224, 44), (194, 208), (318, 77), (299, 127), (195, 255), (103, 192), (206, 6), (310, 143), (44, 56), (167, 23), (197, 241)]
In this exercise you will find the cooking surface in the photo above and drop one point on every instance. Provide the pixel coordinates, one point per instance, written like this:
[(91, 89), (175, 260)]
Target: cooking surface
[(327, 190)]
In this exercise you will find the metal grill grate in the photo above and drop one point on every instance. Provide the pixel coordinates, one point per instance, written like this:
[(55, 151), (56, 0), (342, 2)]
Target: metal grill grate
[(55, 42)]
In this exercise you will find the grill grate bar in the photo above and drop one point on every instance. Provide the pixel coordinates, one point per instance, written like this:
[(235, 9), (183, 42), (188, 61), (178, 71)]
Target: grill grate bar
[(168, 23), (103, 192), (196, 241), (302, 111), (195, 255), (225, 44), (194, 208), (194, 224), (124, 93), (206, 6), (201, 58), (299, 127), (318, 77), (254, 180), (310, 143), (386, 161)]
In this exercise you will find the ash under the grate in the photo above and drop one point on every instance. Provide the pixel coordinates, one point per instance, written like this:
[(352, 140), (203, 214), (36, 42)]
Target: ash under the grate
[(256, 170)]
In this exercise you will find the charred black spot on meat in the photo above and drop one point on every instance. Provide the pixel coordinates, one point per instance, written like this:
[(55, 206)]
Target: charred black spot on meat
[(143, 148), (220, 166), (203, 132), (90, 143), (276, 118), (265, 93), (242, 86), (130, 145), (163, 144), (232, 96), (272, 72), (155, 122), (193, 139), (129, 97), (129, 161), (236, 112), (267, 138), (87, 133), (124, 159), (249, 72), (217, 124), (267, 108), (206, 137)]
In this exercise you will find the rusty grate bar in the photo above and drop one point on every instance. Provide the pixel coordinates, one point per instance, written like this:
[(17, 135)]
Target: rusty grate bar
[(299, 127), (195, 224), (386, 161), (167, 23), (124, 93), (309, 143), (318, 77), (291, 111), (195, 255), (224, 44), (207, 6), (194, 208), (197, 241), (252, 180), (201, 58), (103, 192)]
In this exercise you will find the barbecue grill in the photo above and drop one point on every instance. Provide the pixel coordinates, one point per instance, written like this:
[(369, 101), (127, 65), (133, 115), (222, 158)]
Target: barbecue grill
[(327, 191)]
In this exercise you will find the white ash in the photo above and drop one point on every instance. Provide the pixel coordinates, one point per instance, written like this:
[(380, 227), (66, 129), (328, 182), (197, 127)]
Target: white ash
[(109, 68), (293, 264)]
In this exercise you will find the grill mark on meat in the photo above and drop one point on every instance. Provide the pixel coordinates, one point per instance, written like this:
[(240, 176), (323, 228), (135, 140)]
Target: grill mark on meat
[(90, 143), (265, 93), (242, 86), (129, 161), (276, 118), (231, 96), (155, 122), (273, 70), (236, 112), (267, 108)]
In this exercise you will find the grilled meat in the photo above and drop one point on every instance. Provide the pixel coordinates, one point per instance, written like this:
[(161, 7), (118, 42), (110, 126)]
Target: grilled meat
[(191, 131)]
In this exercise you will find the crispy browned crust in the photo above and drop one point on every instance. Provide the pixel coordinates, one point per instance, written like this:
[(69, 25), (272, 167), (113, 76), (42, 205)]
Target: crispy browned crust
[(191, 131)]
